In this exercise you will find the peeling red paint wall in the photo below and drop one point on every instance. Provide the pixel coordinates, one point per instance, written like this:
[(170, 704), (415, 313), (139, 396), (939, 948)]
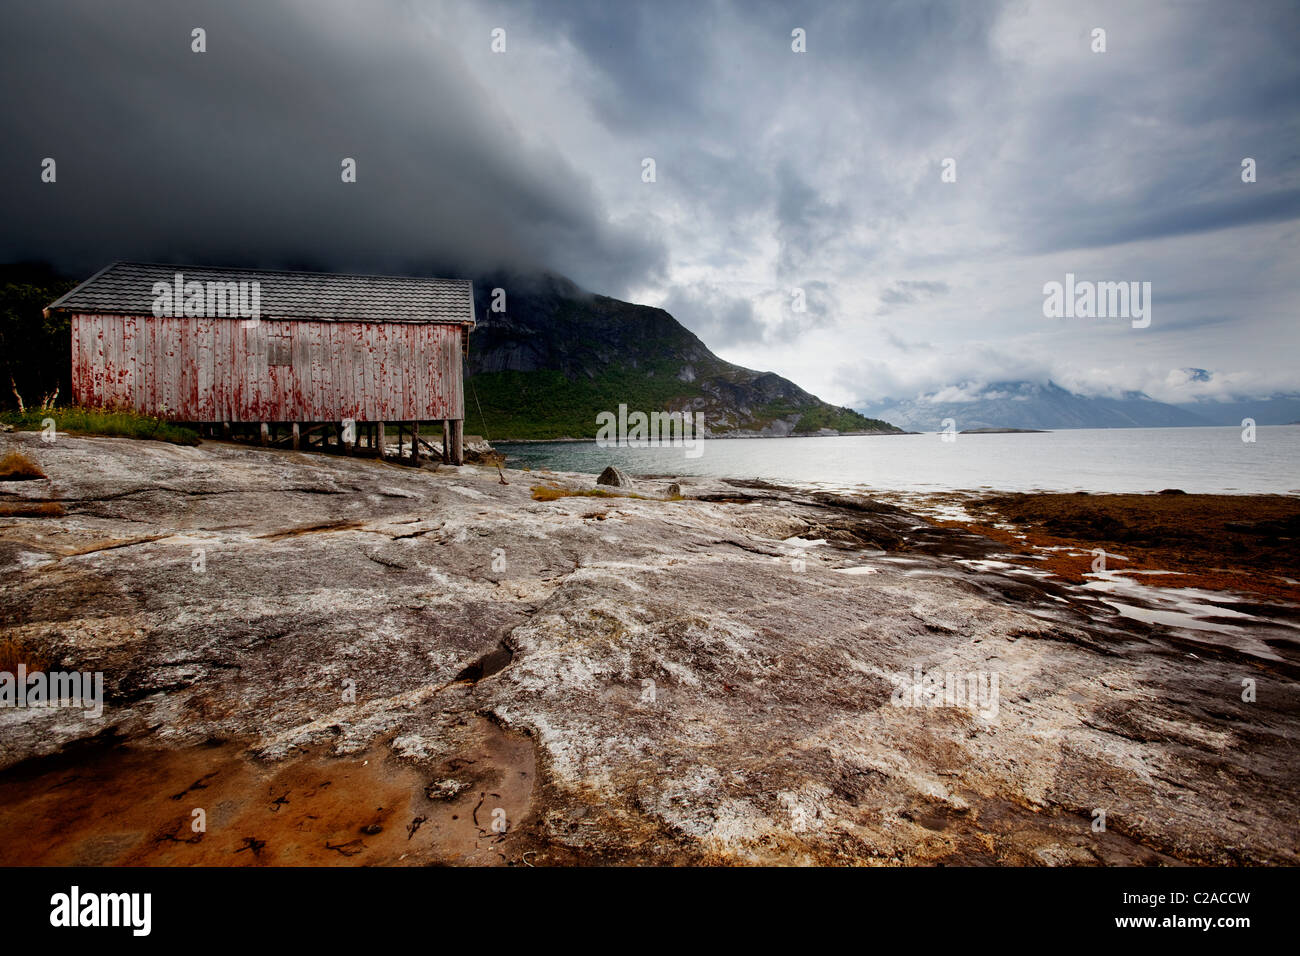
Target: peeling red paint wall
[(214, 370)]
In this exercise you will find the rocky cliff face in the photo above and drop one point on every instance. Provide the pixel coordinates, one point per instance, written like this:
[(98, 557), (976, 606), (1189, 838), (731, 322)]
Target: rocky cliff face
[(558, 355)]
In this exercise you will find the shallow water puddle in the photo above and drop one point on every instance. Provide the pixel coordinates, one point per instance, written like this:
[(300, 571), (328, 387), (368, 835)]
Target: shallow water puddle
[(803, 542), (1190, 609), (1006, 567)]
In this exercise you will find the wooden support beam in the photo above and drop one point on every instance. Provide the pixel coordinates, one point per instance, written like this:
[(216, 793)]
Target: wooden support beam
[(295, 436), (415, 443), (225, 430), (457, 441), (266, 434), (379, 446), (446, 441)]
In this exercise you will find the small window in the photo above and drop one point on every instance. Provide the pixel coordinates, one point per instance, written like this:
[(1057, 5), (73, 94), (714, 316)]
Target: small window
[(278, 349)]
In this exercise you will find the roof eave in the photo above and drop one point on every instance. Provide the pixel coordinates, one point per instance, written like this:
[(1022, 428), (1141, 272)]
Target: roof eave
[(55, 305)]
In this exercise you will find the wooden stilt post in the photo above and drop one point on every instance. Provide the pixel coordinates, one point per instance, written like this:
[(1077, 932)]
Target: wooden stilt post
[(457, 441), (379, 445), (446, 441), (415, 443), (266, 434), (225, 430), (296, 436)]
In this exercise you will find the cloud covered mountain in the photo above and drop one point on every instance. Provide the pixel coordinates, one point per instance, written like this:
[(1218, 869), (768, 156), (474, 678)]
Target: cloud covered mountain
[(1030, 405)]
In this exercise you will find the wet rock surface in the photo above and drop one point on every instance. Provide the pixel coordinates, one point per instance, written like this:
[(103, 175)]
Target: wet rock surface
[(706, 680)]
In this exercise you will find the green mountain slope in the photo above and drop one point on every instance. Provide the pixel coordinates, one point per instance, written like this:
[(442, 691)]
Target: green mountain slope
[(557, 356)]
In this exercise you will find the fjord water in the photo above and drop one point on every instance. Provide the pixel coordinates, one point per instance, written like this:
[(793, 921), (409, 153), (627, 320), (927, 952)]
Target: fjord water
[(1206, 460)]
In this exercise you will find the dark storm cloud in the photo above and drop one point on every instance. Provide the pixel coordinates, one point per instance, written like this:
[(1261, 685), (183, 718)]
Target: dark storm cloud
[(653, 58), (234, 155)]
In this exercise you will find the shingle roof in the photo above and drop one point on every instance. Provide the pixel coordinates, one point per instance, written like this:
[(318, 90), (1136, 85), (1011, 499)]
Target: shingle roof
[(127, 287)]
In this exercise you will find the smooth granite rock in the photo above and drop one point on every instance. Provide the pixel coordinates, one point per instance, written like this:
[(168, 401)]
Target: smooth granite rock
[(722, 679)]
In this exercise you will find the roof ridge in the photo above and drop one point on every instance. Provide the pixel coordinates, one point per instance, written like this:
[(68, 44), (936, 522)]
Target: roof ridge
[(286, 272), (123, 287)]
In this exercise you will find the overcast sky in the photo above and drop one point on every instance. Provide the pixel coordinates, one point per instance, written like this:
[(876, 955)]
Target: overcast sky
[(775, 170)]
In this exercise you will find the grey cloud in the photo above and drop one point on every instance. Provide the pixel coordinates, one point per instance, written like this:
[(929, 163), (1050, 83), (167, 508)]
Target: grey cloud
[(908, 291), (717, 318), (1148, 144), (821, 310), (806, 223), (654, 59), (1116, 223)]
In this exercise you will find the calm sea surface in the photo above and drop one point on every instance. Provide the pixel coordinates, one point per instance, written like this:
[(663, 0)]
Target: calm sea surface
[(1118, 459)]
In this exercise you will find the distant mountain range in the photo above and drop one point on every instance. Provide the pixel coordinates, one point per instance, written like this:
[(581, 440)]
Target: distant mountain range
[(557, 355), (1034, 405), (1281, 410)]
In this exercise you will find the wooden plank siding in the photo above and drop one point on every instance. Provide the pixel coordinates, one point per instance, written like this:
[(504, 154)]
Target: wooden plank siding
[(215, 370)]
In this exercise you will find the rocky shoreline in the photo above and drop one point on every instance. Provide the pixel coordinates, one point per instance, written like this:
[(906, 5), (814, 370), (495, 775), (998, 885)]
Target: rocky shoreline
[(346, 661)]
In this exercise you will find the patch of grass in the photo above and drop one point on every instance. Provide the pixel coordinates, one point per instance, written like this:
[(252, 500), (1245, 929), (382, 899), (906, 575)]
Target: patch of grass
[(548, 493), (16, 466), (30, 509), (115, 422), (14, 652)]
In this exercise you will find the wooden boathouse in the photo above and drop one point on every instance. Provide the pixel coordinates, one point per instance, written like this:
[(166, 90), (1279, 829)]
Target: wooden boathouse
[(314, 355)]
